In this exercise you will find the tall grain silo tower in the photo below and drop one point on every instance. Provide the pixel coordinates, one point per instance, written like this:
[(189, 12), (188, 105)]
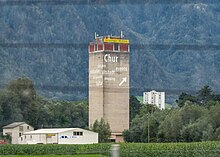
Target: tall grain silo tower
[(109, 82)]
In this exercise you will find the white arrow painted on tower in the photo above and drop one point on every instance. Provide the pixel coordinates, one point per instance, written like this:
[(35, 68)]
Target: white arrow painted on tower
[(123, 81)]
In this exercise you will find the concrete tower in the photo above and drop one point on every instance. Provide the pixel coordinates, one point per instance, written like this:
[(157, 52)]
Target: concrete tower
[(109, 82)]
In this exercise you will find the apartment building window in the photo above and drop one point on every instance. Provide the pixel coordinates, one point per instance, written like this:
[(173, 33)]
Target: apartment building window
[(28, 127)]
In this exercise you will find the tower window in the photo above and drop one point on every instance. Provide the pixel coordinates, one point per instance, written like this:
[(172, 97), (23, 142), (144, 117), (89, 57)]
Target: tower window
[(96, 47), (116, 46)]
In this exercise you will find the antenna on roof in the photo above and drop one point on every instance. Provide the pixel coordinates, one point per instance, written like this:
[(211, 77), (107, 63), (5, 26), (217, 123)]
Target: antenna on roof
[(122, 35), (96, 35)]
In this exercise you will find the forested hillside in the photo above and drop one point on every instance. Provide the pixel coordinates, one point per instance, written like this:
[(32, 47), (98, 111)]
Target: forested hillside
[(174, 46)]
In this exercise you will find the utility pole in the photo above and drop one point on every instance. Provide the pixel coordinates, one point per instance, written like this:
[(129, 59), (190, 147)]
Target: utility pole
[(148, 129)]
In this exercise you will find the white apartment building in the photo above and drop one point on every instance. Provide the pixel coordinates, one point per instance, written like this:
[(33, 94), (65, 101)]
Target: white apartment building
[(155, 98)]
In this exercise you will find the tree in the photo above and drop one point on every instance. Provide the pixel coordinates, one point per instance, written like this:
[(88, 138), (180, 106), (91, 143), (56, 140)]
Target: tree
[(185, 97), (191, 133), (190, 112), (204, 95), (205, 92), (148, 108), (153, 124), (214, 116), (10, 108), (19, 102), (103, 129), (7, 138), (170, 128), (63, 114), (23, 87), (208, 133), (134, 107), (127, 136), (138, 131)]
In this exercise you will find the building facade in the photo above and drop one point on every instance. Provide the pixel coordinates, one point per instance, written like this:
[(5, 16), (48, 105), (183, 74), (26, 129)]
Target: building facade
[(16, 130), (109, 83), (59, 136), (155, 98)]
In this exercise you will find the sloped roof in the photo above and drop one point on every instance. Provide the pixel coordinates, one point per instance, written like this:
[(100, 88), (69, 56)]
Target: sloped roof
[(13, 125), (54, 131)]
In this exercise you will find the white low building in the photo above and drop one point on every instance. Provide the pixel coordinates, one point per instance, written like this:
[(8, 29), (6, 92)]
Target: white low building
[(59, 136)]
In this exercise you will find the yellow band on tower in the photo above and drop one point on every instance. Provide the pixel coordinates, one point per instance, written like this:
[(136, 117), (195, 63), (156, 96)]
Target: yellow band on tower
[(109, 40)]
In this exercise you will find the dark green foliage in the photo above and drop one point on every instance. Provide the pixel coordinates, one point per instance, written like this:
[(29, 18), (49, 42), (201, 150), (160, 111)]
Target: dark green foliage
[(19, 102), (190, 113), (139, 127), (23, 87), (191, 133), (148, 109), (195, 119), (171, 126), (185, 97), (127, 136), (134, 107), (214, 116), (204, 97), (7, 138), (64, 114), (103, 129)]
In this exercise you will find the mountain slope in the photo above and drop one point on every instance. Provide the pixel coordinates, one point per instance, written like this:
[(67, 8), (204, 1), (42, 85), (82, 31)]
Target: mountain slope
[(60, 68)]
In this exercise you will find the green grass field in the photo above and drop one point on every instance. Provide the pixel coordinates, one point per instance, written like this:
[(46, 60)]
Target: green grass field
[(52, 156)]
